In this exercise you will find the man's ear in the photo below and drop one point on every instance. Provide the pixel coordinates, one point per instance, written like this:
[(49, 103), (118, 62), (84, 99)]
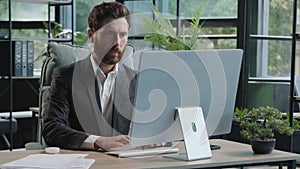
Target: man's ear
[(91, 34)]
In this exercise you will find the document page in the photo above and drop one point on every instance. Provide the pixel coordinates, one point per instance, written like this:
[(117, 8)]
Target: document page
[(51, 161)]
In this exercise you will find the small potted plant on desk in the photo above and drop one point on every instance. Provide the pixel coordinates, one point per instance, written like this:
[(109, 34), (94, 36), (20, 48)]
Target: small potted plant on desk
[(259, 126)]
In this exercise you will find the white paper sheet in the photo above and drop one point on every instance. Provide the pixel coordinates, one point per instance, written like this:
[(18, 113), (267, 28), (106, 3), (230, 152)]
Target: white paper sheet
[(51, 161)]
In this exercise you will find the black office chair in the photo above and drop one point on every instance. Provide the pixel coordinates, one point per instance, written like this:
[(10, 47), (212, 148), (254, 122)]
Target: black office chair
[(5, 129)]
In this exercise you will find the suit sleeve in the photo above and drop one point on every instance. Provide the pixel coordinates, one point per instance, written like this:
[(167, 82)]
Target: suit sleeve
[(61, 127)]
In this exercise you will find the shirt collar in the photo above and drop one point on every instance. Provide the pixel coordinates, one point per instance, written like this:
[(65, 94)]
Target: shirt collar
[(97, 68)]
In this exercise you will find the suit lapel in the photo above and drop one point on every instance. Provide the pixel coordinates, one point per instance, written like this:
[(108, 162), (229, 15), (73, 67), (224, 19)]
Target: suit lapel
[(85, 100), (87, 103)]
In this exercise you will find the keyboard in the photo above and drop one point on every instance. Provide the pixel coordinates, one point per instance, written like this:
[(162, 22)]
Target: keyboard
[(143, 152)]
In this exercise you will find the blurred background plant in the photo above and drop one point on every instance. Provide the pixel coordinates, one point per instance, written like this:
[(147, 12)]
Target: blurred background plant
[(296, 125), (57, 31), (164, 36)]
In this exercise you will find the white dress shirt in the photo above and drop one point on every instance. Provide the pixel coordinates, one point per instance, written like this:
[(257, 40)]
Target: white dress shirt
[(106, 86)]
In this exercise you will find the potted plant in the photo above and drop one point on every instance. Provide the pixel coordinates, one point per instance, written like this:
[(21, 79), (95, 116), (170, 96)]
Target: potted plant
[(289, 143), (259, 126), (234, 135)]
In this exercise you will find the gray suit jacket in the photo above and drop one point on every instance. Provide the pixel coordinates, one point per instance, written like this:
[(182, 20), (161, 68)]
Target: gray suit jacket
[(74, 109)]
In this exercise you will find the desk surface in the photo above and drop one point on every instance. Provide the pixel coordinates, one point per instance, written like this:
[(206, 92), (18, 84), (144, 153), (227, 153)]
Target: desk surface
[(231, 154)]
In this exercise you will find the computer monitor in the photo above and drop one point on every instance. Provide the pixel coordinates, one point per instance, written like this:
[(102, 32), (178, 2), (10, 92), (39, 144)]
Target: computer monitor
[(171, 79)]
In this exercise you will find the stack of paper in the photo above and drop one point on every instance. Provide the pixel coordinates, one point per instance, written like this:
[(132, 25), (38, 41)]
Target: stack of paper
[(51, 161)]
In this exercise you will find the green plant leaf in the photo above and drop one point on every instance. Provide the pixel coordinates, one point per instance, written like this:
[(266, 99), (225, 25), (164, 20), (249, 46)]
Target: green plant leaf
[(296, 125), (195, 28), (163, 35), (239, 114)]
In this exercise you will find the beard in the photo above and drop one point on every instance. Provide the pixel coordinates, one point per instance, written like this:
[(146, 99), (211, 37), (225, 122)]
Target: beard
[(113, 56)]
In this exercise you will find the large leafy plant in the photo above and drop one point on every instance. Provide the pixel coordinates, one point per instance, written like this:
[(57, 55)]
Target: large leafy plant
[(163, 34), (262, 123)]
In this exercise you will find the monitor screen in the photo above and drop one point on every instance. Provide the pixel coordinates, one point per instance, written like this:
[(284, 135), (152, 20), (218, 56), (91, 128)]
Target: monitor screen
[(170, 79)]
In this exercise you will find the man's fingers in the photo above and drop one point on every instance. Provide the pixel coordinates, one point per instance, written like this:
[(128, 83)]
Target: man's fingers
[(123, 139), (108, 143), (115, 144)]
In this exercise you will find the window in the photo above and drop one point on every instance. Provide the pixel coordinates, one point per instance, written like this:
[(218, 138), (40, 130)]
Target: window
[(83, 8), (24, 11), (268, 53), (219, 17), (270, 34), (219, 25)]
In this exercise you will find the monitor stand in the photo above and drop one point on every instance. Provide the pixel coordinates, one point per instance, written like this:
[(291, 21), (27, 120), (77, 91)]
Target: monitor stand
[(194, 133)]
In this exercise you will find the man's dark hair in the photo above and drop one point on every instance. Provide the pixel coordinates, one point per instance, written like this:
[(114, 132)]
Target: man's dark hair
[(106, 12)]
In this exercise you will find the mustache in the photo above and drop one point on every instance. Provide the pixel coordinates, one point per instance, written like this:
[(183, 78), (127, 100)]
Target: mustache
[(115, 48)]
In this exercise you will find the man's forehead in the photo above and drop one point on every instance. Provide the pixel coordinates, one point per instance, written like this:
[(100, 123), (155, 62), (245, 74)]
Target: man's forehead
[(121, 22)]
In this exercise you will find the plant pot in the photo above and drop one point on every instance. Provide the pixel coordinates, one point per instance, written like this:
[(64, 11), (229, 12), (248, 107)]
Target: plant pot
[(288, 143), (263, 147)]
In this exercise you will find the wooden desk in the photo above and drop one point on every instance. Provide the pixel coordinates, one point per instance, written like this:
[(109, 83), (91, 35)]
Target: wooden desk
[(231, 154)]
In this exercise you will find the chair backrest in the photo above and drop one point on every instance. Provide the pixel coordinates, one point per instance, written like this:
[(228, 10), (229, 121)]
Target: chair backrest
[(60, 55)]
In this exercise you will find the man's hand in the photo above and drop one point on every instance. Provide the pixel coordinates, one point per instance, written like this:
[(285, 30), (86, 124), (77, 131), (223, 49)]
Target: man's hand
[(108, 143)]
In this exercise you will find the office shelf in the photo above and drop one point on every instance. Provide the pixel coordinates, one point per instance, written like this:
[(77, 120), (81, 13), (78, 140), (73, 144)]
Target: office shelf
[(51, 2), (38, 39), (19, 77), (12, 87)]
